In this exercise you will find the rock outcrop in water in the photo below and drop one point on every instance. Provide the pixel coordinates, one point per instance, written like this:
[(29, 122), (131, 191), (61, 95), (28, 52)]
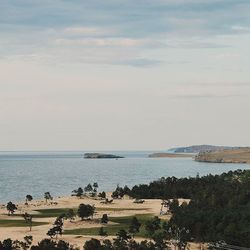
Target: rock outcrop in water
[(240, 155), (101, 156), (169, 155)]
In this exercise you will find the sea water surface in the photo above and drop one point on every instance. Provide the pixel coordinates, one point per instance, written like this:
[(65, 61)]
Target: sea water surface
[(34, 173)]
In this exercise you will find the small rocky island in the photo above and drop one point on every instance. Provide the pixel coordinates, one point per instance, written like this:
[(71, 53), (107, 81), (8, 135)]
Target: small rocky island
[(101, 156), (169, 155)]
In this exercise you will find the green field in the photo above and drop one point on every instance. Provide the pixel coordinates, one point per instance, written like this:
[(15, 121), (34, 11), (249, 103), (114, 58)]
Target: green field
[(55, 212), (52, 212), (124, 223), (18, 223), (119, 209)]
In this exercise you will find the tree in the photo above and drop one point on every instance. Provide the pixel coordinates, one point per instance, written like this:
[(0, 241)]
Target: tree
[(49, 244), (134, 226), (92, 244), (95, 186), (85, 211), (88, 188), (24, 245), (102, 195), (51, 233), (70, 215), (181, 237), (123, 235), (45, 244), (57, 227), (47, 196), (62, 245), (104, 219), (28, 198), (107, 245), (122, 239), (159, 237), (174, 205), (11, 207), (78, 192), (118, 193), (28, 219), (9, 244), (153, 225)]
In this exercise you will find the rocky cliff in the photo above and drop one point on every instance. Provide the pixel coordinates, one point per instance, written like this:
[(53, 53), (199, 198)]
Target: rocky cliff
[(240, 155)]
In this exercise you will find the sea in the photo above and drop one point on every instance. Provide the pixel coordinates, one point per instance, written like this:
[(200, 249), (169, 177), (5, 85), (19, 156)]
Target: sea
[(59, 173)]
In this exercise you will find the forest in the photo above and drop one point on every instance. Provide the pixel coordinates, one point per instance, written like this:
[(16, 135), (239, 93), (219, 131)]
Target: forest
[(219, 207)]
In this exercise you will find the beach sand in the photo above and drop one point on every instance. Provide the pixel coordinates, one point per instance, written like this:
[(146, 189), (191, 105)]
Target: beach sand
[(122, 207)]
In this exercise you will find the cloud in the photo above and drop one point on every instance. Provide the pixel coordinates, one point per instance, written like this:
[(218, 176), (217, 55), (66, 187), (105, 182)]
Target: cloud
[(102, 42), (240, 28), (87, 31), (140, 62), (34, 27)]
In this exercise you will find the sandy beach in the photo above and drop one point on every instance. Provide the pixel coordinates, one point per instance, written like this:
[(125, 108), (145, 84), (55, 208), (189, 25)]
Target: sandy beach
[(119, 207)]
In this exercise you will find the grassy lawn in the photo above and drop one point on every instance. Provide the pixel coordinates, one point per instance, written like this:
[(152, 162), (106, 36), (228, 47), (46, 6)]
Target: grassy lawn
[(52, 212), (118, 209), (47, 213), (55, 212), (124, 223), (19, 223)]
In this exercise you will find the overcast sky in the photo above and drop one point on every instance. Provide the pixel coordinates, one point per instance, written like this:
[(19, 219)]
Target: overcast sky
[(124, 74)]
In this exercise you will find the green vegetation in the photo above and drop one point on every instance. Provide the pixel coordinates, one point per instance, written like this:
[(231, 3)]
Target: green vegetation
[(160, 234), (57, 228), (119, 209), (55, 212), (47, 196), (11, 207), (122, 223), (19, 223), (49, 244), (50, 213), (9, 244), (78, 192), (28, 198), (85, 211), (219, 209), (28, 220)]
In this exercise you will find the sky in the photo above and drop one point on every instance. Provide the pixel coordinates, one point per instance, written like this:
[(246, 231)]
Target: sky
[(124, 74)]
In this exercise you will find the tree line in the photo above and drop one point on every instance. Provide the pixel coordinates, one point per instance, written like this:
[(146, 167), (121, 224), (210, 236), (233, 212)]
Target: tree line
[(219, 207)]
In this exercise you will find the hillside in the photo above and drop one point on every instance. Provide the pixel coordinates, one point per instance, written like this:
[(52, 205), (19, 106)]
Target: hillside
[(239, 155), (198, 148)]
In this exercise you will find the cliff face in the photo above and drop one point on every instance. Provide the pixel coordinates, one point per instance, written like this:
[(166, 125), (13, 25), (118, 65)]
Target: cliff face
[(240, 155)]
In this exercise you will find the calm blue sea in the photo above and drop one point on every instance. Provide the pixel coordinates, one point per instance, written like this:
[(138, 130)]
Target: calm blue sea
[(34, 173)]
